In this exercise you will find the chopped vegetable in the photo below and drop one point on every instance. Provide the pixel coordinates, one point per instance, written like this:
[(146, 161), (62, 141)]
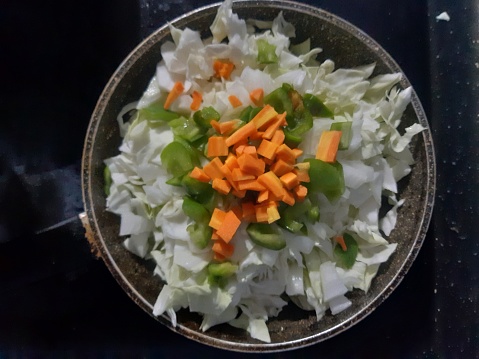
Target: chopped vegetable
[(234, 101), (265, 235), (328, 146), (197, 99), (266, 52), (175, 92), (256, 96), (347, 250), (217, 147), (223, 69)]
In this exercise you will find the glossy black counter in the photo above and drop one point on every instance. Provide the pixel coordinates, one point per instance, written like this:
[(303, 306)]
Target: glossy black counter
[(55, 299)]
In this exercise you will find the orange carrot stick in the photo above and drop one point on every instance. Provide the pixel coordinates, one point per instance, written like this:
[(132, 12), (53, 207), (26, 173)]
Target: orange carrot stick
[(175, 92), (197, 99)]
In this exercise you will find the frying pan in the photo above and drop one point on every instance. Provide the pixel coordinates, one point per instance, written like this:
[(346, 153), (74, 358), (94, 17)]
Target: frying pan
[(293, 328)]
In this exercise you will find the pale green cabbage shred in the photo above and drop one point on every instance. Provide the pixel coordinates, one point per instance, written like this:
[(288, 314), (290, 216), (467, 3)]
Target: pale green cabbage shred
[(305, 270)]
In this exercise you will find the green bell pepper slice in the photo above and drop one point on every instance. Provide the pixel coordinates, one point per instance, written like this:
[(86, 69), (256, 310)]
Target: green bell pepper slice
[(107, 180), (280, 100), (218, 273), (204, 116), (347, 133), (316, 107), (155, 113), (326, 178), (177, 159), (347, 258), (265, 235)]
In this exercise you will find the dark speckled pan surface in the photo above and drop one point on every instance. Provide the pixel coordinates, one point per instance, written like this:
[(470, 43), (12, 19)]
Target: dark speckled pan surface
[(348, 47)]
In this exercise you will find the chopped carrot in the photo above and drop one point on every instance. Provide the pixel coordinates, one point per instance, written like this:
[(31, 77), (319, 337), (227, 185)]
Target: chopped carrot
[(239, 150), (281, 167), (197, 99), (289, 180), (273, 214), (231, 161), (297, 152), (228, 227), (238, 211), (251, 185), (239, 193), (271, 130), (248, 211), (285, 153), (258, 135), (263, 196), (214, 236), (301, 192), (223, 69), (265, 117), (278, 137), (328, 146), (217, 218), (251, 150), (223, 248), (228, 126), (217, 147), (213, 168), (288, 198), (225, 170), (303, 175), (271, 182), (267, 149), (175, 92), (341, 242), (256, 96), (234, 101), (239, 175), (218, 257), (249, 164), (221, 186), (215, 124), (241, 134), (261, 212), (200, 175)]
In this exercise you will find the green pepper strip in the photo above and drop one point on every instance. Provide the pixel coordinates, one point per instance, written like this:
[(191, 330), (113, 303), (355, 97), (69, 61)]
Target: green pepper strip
[(326, 178)]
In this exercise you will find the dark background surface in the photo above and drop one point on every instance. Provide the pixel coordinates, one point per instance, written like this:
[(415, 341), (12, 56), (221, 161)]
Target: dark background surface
[(56, 300)]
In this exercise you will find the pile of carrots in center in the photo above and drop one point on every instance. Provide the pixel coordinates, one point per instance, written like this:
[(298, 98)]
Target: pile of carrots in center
[(251, 158)]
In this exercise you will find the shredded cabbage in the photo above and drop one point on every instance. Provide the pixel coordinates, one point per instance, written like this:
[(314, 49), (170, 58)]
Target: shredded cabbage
[(306, 271)]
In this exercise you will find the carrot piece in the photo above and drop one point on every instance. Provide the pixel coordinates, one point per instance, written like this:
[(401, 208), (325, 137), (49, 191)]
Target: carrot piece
[(231, 161), (251, 150), (239, 175), (238, 211), (175, 92), (215, 124), (240, 149), (251, 185), (289, 180), (301, 192), (221, 186), (225, 170), (217, 147), (200, 175), (239, 193), (271, 182), (228, 227), (248, 211), (197, 99), (263, 196), (267, 149), (223, 248), (234, 101), (217, 218), (241, 134), (297, 152), (288, 198), (228, 126), (214, 236), (265, 117), (218, 257), (273, 214), (278, 137), (261, 212), (223, 69), (281, 167), (341, 242), (271, 130), (285, 153), (303, 175), (256, 96), (258, 135), (328, 146), (213, 168), (247, 163)]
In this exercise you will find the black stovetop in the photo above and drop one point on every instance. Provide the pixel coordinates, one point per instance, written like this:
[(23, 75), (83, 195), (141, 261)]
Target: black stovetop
[(57, 300)]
